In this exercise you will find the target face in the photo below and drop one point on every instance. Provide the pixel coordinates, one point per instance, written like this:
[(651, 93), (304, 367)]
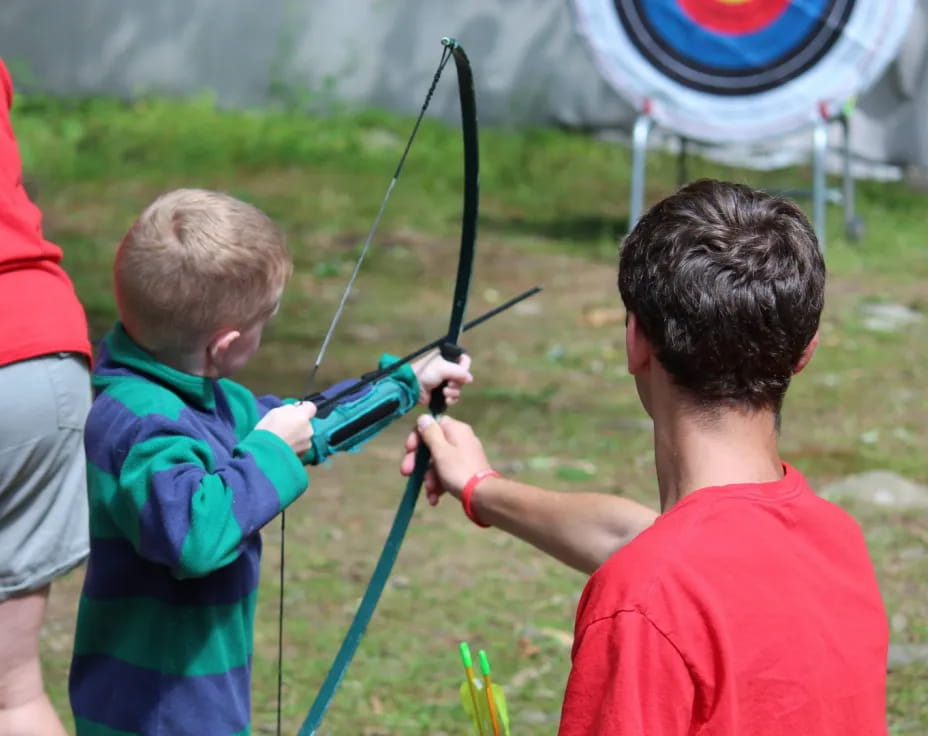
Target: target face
[(723, 70)]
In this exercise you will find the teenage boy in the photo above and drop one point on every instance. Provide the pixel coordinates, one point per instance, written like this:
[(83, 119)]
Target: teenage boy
[(749, 605)]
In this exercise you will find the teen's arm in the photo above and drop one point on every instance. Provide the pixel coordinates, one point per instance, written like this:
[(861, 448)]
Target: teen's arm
[(581, 530)]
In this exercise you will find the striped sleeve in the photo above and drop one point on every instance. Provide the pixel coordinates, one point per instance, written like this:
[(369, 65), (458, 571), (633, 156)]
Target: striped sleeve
[(159, 487)]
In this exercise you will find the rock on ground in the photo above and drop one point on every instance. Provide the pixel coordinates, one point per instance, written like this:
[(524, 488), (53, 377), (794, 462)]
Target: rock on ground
[(880, 488)]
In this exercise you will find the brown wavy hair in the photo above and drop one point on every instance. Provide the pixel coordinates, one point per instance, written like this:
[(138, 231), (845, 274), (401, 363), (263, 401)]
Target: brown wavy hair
[(727, 283)]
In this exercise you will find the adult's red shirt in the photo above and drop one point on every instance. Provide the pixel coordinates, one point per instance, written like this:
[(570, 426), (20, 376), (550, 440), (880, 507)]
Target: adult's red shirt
[(744, 610), (39, 311)]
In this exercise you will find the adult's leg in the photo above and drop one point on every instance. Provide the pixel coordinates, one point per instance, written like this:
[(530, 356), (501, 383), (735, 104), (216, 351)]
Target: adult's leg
[(43, 521), (25, 709)]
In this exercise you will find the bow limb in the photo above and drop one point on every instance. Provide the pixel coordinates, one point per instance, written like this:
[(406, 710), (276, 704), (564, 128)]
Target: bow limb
[(450, 350), (471, 191)]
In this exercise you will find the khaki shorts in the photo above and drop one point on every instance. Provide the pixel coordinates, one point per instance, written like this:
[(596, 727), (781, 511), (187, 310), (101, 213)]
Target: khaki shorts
[(43, 489)]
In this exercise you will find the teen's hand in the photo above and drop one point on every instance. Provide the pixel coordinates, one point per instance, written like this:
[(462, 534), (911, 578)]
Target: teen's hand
[(457, 454), (291, 423), (433, 370)]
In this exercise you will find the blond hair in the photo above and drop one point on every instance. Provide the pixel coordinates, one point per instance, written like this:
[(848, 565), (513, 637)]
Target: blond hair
[(194, 262)]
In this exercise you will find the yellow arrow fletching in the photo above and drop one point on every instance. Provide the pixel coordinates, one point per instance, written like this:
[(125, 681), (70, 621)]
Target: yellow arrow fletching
[(483, 710)]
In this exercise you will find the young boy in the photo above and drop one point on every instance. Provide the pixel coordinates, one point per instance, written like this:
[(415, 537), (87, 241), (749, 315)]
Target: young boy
[(750, 605), (186, 466)]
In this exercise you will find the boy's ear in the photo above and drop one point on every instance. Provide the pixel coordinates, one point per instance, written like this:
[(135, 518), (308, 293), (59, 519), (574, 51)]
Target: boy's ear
[(219, 345), (637, 347), (807, 354)]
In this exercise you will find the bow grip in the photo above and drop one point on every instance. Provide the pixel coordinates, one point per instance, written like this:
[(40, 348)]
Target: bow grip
[(451, 352)]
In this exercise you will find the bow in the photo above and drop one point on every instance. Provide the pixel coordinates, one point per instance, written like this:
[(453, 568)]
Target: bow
[(449, 350)]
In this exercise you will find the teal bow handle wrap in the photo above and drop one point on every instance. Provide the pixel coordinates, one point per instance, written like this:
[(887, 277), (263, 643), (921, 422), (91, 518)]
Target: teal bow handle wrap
[(359, 416)]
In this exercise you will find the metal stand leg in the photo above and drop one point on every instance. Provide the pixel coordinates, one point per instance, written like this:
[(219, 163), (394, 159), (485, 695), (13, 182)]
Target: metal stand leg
[(853, 224), (821, 194), (819, 179), (640, 134)]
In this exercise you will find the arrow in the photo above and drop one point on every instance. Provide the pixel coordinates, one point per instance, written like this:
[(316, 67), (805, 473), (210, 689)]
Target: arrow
[(377, 375)]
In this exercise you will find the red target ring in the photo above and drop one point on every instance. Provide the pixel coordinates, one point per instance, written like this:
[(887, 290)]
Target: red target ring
[(734, 17)]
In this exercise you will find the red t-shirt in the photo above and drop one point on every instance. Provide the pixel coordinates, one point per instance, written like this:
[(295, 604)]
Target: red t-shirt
[(39, 311), (745, 610)]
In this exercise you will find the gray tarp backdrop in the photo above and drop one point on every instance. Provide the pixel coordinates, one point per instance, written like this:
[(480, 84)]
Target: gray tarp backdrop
[(529, 63)]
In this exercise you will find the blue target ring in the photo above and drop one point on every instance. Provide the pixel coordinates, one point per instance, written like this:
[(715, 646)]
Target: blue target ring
[(729, 64), (708, 48)]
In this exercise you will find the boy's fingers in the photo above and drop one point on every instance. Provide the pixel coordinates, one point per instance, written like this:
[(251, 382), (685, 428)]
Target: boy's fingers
[(308, 408), (457, 373)]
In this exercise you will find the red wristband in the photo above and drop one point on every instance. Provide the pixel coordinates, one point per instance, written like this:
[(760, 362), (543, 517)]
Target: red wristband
[(467, 494)]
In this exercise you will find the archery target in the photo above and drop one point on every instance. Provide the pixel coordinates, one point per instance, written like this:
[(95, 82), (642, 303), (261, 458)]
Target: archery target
[(740, 70)]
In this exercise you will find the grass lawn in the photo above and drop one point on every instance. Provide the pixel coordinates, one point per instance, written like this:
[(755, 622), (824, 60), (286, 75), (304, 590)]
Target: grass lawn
[(553, 401)]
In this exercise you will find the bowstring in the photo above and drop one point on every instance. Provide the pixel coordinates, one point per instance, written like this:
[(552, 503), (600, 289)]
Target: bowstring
[(445, 57)]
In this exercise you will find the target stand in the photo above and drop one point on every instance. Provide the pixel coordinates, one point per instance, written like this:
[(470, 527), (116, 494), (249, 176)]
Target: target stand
[(745, 71), (820, 193)]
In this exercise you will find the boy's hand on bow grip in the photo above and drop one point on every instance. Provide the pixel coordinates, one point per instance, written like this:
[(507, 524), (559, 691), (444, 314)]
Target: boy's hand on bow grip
[(291, 422), (433, 370)]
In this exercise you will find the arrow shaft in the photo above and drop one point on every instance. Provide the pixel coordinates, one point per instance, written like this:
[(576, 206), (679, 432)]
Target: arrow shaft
[(377, 375)]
